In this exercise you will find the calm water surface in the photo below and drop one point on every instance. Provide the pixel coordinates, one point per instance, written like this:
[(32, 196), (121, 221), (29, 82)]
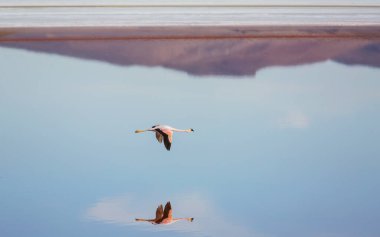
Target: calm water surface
[(286, 139)]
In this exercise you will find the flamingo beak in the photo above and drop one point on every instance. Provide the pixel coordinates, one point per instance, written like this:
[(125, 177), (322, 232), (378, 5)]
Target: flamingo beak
[(191, 129)]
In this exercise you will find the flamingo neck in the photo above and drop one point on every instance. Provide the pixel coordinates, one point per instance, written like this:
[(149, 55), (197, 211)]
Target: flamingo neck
[(180, 130), (178, 219)]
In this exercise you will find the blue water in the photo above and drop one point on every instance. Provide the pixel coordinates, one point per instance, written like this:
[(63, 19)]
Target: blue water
[(287, 151)]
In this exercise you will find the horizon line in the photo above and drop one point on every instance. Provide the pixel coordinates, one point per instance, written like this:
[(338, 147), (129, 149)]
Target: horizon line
[(188, 5)]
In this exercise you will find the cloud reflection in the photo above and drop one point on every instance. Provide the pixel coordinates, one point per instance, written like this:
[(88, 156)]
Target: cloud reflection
[(294, 119), (209, 221)]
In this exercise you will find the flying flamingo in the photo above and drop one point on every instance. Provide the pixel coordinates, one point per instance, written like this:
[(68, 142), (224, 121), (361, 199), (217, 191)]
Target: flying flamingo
[(164, 132), (164, 217)]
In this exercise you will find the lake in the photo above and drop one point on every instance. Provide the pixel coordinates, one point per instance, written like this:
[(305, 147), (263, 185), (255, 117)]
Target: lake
[(286, 139)]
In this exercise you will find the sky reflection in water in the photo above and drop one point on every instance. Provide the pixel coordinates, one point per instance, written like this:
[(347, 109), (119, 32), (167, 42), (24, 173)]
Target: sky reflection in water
[(287, 151)]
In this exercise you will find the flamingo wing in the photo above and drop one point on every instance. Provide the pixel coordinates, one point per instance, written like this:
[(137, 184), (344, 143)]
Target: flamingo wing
[(159, 212), (168, 136), (159, 137), (168, 212)]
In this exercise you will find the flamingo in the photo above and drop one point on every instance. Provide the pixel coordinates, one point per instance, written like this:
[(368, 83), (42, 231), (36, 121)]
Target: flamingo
[(164, 217), (164, 132)]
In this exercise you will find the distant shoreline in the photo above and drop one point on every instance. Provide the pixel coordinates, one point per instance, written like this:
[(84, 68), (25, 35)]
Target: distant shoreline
[(192, 32)]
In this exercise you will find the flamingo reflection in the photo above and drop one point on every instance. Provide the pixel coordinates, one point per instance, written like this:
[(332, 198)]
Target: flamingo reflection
[(164, 216)]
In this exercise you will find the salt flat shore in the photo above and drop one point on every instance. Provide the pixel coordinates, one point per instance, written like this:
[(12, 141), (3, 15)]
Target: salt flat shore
[(190, 32)]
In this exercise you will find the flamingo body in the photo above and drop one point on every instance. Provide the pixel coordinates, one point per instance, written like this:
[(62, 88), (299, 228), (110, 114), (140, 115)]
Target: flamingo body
[(164, 133)]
